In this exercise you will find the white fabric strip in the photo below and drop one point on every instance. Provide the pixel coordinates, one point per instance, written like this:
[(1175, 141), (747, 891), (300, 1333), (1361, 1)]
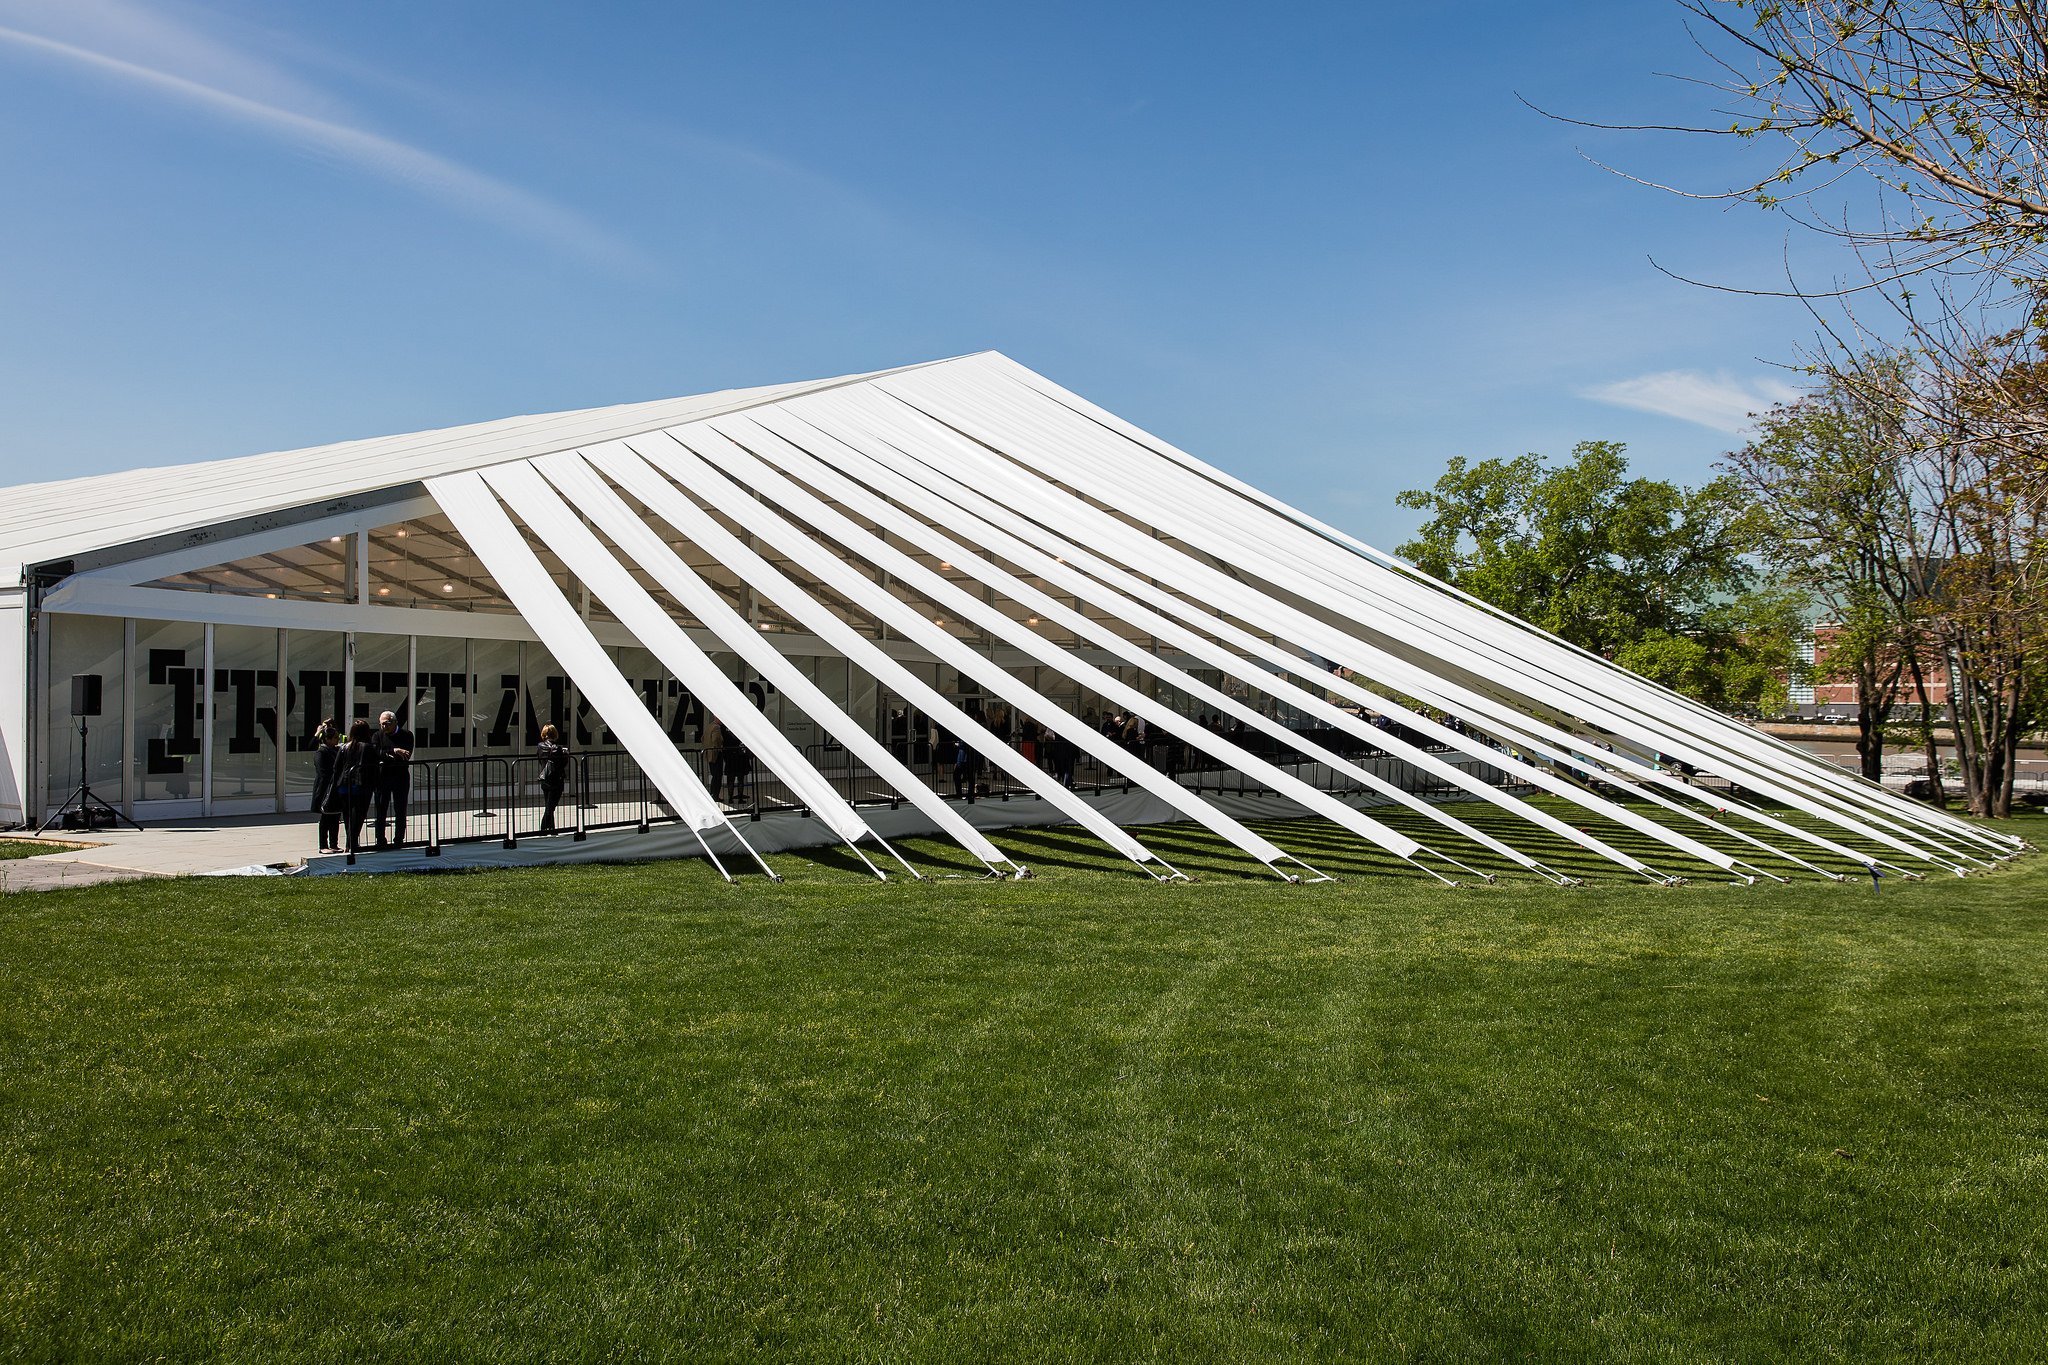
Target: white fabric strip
[(886, 462), (557, 524), (909, 444), (848, 453), (818, 452), (1818, 781), (1051, 446), (966, 560), (1330, 642), (1206, 584), (572, 474), (625, 466), (734, 501), (483, 524), (1380, 574), (950, 598)]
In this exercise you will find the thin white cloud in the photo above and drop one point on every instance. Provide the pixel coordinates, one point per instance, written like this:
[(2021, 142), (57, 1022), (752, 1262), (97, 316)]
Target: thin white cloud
[(1718, 401), (472, 191), (152, 36)]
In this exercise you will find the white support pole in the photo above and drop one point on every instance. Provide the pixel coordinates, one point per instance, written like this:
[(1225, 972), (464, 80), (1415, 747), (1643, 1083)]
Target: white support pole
[(128, 726), (206, 724), (36, 801), (281, 727)]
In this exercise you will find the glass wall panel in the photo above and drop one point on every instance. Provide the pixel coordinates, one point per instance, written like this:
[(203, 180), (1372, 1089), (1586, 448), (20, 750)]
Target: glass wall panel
[(245, 719), (645, 675), (440, 721), (169, 659), (767, 698), (589, 721), (549, 699), (829, 672), (497, 715), (87, 646), (863, 698), (683, 714), (313, 684), (381, 677), (924, 731), (788, 717)]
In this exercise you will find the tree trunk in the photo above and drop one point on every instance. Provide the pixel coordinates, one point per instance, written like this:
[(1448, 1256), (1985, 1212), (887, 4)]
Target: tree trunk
[(1869, 739), (1871, 704), (1962, 719), (1937, 791)]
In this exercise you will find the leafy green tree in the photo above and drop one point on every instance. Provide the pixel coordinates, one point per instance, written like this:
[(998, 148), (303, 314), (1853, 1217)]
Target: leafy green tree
[(1827, 474), (1651, 575)]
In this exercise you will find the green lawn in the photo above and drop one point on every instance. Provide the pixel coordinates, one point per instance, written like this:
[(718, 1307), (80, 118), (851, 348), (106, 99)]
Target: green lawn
[(631, 1112)]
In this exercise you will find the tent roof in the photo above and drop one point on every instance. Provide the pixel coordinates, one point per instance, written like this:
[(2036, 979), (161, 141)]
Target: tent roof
[(42, 522)]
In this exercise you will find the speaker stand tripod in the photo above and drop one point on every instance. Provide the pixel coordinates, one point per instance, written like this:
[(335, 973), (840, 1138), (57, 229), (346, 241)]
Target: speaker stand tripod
[(86, 801)]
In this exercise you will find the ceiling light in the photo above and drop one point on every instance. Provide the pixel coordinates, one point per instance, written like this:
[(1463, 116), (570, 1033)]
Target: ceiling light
[(271, 595), (334, 540), (447, 587), (947, 567), (383, 592), (1031, 620), (764, 625), (401, 530)]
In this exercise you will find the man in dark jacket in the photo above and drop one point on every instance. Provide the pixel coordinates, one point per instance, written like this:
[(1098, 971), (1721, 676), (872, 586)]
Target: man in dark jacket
[(393, 788)]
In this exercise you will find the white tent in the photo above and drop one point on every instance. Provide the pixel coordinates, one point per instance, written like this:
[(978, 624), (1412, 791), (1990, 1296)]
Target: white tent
[(964, 538)]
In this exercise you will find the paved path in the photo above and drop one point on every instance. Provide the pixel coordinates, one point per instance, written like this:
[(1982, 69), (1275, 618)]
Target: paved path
[(169, 848), (44, 874)]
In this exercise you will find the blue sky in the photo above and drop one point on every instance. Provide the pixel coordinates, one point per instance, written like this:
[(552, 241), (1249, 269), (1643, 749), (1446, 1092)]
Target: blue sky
[(1323, 246)]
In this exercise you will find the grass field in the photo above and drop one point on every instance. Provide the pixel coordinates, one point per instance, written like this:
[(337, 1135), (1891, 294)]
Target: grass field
[(632, 1113)]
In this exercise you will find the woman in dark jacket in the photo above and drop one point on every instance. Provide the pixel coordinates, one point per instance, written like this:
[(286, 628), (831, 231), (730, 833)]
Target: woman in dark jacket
[(554, 774), (326, 762), (355, 773)]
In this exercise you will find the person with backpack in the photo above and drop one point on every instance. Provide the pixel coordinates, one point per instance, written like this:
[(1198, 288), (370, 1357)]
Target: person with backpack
[(554, 774)]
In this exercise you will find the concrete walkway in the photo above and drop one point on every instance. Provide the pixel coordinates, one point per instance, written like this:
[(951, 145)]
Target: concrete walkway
[(170, 848)]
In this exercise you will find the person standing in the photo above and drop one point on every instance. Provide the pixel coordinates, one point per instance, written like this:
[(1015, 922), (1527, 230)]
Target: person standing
[(714, 758), (1063, 753), (739, 765), (965, 760), (963, 769), (554, 774), (355, 773), (393, 786), (326, 763)]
